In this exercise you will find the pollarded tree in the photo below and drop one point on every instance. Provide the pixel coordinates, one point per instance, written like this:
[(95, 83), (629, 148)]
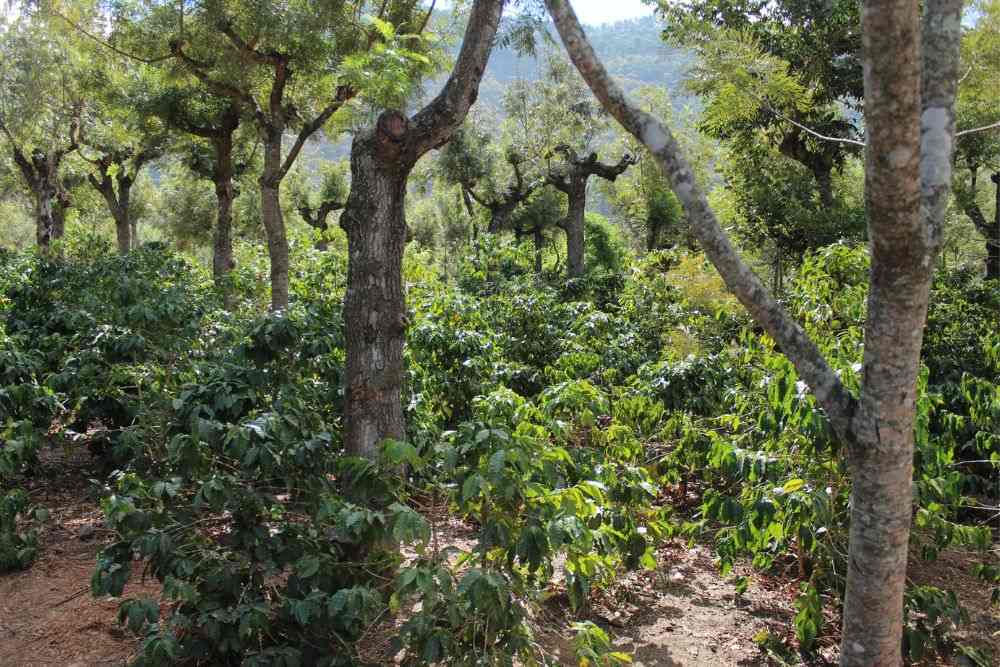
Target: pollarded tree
[(290, 68), (502, 204), (315, 208), (382, 158), (539, 213), (571, 178), (118, 137), (556, 127), (910, 83), (41, 104), (213, 153)]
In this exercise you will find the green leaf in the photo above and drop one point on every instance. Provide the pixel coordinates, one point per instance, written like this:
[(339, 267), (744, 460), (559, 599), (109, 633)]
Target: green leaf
[(793, 485)]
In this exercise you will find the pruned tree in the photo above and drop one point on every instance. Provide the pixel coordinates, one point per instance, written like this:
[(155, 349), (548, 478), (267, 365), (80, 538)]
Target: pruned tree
[(118, 142), (502, 205), (382, 158), (910, 82), (41, 106), (214, 124), (292, 69), (315, 210), (571, 178)]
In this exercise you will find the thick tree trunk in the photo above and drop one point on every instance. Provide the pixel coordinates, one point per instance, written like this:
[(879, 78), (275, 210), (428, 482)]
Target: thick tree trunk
[(274, 224), (46, 224), (824, 185), (908, 164), (575, 222), (123, 231), (222, 243), (123, 217), (374, 306), (910, 129)]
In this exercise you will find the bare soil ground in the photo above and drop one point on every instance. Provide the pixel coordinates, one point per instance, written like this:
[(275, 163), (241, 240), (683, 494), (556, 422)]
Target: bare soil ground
[(683, 615), (47, 614)]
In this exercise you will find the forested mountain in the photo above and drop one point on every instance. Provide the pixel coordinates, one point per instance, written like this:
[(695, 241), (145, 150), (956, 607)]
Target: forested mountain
[(633, 51)]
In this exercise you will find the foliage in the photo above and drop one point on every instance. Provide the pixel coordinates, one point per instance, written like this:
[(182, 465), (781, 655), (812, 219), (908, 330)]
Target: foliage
[(556, 426), (18, 542)]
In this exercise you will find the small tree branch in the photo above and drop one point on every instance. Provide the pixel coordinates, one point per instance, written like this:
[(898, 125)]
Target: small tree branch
[(984, 128), (812, 132), (343, 94), (109, 46), (272, 58), (220, 88)]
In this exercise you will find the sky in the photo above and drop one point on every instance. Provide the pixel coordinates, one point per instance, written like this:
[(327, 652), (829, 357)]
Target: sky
[(604, 11)]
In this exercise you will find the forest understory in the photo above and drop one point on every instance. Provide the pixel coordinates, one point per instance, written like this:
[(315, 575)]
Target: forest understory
[(683, 615), (394, 332)]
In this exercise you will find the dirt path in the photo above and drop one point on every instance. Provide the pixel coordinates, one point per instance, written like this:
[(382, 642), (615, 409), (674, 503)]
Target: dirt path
[(682, 615), (47, 614)]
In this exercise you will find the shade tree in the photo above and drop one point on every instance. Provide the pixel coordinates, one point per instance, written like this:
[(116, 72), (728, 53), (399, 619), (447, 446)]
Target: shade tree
[(787, 71), (911, 71), (290, 69), (41, 105), (315, 205), (382, 157)]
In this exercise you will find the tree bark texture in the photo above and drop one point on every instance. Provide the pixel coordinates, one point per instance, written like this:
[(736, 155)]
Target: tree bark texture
[(910, 83), (273, 221), (222, 242), (374, 220), (374, 305), (575, 226), (882, 460)]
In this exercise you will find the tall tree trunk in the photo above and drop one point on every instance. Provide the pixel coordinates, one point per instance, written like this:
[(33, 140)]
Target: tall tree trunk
[(539, 239), (374, 306), (824, 185), (123, 216), (222, 243), (993, 243), (123, 231), (910, 126), (575, 223), (45, 216), (374, 219), (135, 232), (274, 224)]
